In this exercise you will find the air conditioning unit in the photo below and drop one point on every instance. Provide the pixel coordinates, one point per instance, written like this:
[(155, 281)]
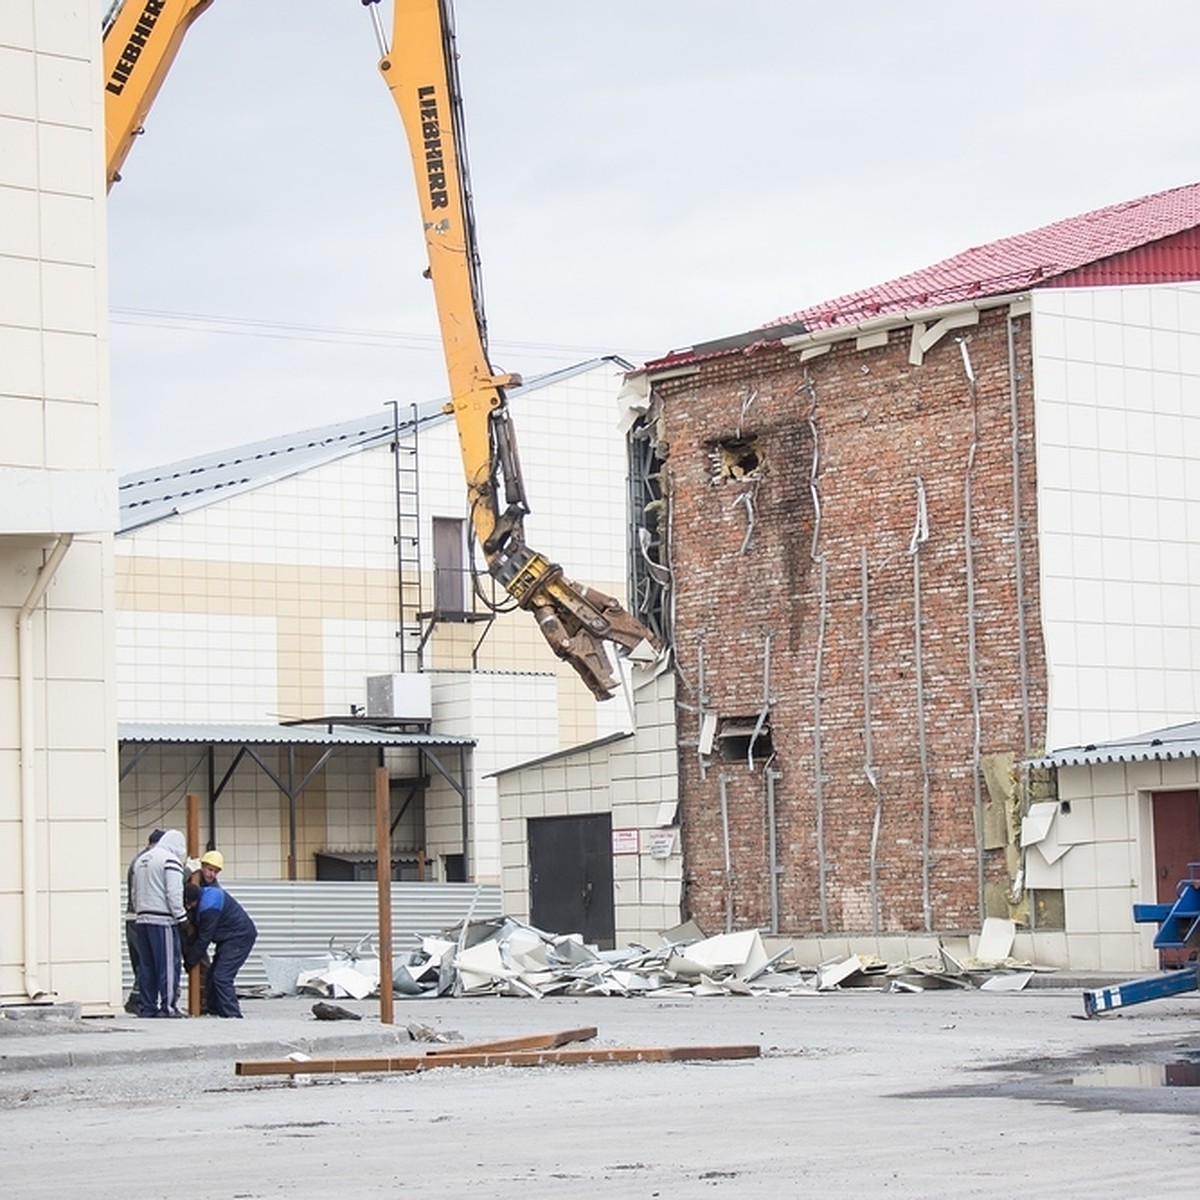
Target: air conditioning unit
[(407, 696)]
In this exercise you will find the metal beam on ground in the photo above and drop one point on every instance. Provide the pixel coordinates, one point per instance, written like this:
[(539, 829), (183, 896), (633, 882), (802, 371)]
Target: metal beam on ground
[(517, 1058), (1138, 991)]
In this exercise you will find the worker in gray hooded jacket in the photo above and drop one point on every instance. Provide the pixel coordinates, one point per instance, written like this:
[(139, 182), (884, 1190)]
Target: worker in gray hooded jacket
[(157, 894)]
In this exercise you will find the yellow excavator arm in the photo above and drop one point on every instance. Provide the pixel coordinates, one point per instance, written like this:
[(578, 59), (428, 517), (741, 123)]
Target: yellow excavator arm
[(419, 67), (141, 39)]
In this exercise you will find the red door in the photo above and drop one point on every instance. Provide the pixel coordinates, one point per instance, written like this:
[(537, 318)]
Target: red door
[(1176, 818)]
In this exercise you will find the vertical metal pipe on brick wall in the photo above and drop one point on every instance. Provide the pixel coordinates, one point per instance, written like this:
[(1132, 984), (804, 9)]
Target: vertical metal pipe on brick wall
[(723, 780), (772, 845), (868, 747), (818, 662), (919, 537), (972, 659), (818, 776)]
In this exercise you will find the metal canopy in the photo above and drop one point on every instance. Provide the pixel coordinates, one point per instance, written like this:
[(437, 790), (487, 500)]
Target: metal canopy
[(249, 738), (1176, 741), (252, 734)]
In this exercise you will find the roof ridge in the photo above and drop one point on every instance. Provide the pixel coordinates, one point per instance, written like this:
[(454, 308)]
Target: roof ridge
[(1039, 254)]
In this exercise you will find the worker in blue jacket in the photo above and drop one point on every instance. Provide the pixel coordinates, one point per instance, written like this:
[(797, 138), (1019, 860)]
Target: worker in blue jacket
[(222, 922)]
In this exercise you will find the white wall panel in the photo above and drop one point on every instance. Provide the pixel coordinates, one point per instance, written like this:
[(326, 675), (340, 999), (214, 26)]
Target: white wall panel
[(1117, 387), (54, 461), (354, 650), (196, 667)]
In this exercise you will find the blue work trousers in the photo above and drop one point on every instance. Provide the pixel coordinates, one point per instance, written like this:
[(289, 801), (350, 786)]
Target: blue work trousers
[(160, 962), (226, 962)]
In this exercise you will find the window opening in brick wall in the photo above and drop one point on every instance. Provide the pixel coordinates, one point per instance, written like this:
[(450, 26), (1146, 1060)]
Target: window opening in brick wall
[(737, 458), (734, 735)]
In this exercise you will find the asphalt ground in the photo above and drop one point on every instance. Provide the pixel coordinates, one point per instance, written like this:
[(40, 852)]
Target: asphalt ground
[(50, 1036), (949, 1092)]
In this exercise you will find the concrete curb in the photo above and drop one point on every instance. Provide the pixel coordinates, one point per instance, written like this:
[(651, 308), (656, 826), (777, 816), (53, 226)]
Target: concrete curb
[(44, 1058), (49, 1059), (1079, 980), (53, 1037)]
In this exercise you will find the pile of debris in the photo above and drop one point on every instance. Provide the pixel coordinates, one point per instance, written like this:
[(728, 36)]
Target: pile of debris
[(506, 957)]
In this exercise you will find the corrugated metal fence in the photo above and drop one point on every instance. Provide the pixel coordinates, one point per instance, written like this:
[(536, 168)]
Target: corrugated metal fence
[(300, 919)]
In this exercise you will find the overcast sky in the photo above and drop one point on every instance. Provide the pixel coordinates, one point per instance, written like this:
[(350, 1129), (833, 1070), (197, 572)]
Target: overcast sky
[(647, 174)]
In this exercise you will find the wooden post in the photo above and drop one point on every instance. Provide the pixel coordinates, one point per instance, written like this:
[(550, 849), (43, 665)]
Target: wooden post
[(383, 873), (193, 849)]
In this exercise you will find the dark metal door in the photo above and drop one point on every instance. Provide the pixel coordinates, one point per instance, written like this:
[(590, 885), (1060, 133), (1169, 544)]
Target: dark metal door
[(571, 877), (449, 566), (1176, 844)]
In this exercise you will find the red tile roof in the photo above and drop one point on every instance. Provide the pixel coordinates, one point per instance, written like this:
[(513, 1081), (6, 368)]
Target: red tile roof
[(1058, 254), (1016, 263)]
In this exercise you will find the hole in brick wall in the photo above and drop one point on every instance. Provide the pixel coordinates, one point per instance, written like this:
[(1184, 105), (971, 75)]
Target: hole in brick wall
[(734, 736), (737, 458)]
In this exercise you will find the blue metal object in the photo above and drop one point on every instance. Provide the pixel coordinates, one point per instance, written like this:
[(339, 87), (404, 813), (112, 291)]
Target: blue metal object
[(1136, 991), (1178, 928), (1143, 913)]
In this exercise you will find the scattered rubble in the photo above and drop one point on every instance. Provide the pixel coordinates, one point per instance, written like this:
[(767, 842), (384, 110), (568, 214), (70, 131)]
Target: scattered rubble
[(426, 1033), (507, 957), (333, 1012)]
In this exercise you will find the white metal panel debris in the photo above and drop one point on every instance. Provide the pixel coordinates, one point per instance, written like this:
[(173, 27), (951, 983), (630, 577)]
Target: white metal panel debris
[(506, 957)]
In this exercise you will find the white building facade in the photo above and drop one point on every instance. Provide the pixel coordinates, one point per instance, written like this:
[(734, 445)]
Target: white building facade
[(1117, 386), (263, 585), (59, 906), (1117, 379)]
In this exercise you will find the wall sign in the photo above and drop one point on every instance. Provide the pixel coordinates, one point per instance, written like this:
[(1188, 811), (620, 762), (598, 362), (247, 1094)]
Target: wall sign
[(662, 843), (626, 841)]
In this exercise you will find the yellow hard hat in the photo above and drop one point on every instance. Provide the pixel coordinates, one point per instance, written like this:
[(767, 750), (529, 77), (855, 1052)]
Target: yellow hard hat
[(214, 858)]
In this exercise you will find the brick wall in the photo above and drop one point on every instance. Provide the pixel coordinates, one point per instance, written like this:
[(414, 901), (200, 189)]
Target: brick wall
[(749, 596)]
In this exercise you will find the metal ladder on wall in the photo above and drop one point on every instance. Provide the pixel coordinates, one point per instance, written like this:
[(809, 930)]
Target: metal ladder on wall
[(409, 590)]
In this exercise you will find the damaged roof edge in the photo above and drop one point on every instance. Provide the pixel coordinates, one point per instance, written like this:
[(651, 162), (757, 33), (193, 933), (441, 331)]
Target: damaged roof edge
[(1160, 745), (739, 341), (796, 336), (763, 335), (840, 333)]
